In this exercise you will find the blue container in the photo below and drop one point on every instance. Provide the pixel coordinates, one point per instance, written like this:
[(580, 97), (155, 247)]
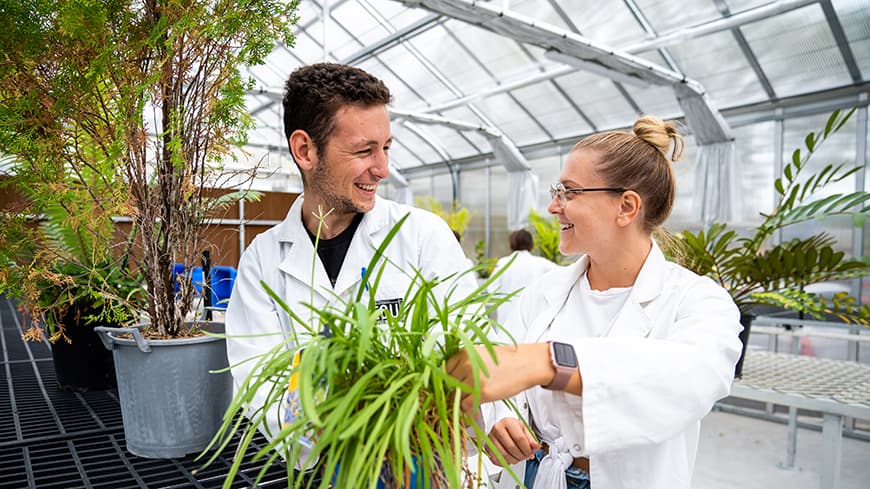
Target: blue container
[(195, 275), (177, 269), (222, 280)]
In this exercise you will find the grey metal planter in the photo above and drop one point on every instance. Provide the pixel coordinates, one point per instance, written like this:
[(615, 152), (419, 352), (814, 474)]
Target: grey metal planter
[(171, 403)]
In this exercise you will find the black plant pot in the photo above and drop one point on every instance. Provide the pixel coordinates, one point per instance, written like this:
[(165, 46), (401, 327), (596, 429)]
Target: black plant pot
[(746, 321), (83, 363)]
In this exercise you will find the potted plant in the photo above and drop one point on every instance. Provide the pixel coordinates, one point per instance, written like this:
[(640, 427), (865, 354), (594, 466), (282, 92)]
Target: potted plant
[(757, 273), (152, 94), (65, 279), (368, 391), (457, 218), (485, 264)]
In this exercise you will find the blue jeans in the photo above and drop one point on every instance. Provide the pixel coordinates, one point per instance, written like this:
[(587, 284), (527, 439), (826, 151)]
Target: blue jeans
[(577, 478)]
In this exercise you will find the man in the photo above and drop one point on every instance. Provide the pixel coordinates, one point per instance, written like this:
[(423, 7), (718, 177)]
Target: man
[(338, 129), (524, 270)]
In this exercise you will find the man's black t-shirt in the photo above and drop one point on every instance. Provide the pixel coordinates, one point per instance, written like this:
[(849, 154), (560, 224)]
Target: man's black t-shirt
[(332, 251)]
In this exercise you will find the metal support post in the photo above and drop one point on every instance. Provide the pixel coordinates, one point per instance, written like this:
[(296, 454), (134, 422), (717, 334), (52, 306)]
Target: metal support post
[(832, 451), (791, 446)]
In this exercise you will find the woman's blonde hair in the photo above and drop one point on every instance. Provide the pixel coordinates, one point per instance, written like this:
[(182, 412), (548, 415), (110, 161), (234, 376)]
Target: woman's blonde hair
[(640, 161)]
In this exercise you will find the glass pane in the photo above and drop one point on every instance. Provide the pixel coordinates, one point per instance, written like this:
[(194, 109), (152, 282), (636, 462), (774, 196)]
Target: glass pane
[(797, 52), (498, 219), (755, 164), (439, 187), (464, 114), (511, 119), (548, 170), (854, 18), (449, 139), (502, 57), (308, 47), (665, 15), (540, 10), (740, 5), (717, 62), (406, 84), (454, 63), (655, 100), (551, 109), (413, 148), (599, 99), (473, 196), (353, 27), (610, 23)]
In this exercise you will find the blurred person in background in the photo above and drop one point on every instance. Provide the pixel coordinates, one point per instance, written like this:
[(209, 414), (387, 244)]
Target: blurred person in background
[(525, 269)]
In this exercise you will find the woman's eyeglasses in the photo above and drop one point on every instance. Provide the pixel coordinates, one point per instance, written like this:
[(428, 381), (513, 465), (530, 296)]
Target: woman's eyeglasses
[(558, 190)]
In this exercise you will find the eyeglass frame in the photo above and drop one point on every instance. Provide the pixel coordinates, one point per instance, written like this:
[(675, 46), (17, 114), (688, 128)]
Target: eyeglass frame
[(563, 192)]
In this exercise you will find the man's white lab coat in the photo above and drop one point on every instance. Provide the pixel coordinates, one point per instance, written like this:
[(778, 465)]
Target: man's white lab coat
[(283, 258)]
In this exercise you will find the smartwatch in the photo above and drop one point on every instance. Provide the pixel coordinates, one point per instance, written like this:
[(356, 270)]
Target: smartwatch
[(565, 360)]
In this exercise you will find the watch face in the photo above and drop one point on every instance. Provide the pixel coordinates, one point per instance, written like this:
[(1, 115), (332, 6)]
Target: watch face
[(563, 354)]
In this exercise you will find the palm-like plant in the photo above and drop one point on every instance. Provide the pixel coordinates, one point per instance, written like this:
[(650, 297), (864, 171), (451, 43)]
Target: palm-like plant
[(374, 400), (757, 274)]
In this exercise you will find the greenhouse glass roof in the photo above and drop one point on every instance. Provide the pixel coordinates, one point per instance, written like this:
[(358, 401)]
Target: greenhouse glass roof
[(536, 75)]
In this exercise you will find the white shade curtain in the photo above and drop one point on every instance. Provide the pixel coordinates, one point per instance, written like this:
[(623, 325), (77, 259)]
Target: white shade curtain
[(716, 183), (522, 196), (716, 169)]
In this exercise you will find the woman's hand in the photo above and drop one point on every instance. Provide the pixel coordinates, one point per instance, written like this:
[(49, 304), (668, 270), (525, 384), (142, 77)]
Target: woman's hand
[(512, 440), (515, 369)]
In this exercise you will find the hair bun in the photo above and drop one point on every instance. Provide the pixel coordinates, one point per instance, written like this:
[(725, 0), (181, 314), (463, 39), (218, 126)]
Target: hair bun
[(662, 135)]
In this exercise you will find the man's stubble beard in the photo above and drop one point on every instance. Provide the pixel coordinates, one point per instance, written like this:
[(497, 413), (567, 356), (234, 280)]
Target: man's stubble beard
[(321, 184)]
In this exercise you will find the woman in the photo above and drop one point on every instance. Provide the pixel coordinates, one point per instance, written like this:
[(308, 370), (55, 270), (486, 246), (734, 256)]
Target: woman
[(620, 355)]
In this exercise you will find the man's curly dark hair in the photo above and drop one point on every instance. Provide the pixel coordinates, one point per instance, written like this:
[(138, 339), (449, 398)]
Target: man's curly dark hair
[(314, 93)]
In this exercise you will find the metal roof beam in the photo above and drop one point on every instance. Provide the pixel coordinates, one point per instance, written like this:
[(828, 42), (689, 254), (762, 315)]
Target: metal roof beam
[(705, 120), (425, 62), (400, 36), (821, 102), (842, 41), (647, 27), (442, 152), (531, 31), (741, 18), (731, 21), (505, 150), (747, 51), (504, 87)]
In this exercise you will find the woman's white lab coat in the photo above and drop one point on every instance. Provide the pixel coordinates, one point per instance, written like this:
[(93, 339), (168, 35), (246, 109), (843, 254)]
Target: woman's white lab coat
[(283, 258), (647, 383)]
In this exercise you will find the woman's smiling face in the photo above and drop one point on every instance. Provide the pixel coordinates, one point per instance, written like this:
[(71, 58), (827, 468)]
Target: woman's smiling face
[(588, 220)]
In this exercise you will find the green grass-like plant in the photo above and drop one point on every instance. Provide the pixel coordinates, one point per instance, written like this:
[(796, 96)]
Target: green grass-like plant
[(376, 401)]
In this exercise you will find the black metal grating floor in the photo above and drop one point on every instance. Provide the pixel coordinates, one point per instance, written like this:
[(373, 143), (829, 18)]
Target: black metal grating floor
[(51, 438)]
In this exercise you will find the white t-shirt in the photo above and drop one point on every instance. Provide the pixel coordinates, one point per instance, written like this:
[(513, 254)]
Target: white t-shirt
[(586, 313)]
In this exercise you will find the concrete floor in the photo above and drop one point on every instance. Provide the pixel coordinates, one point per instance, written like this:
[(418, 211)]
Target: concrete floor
[(743, 452)]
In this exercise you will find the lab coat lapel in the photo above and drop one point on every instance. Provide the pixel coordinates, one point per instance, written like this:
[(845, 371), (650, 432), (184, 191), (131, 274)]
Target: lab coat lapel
[(555, 296), (634, 319), (362, 248), (298, 252)]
